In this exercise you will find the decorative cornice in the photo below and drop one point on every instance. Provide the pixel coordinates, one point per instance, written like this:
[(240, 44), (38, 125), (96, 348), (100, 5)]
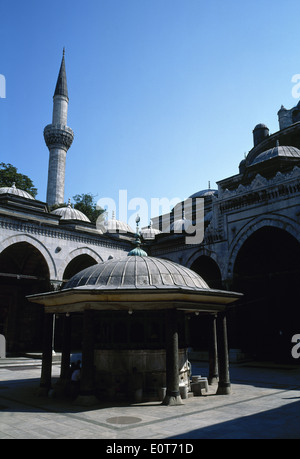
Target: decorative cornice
[(59, 234), (260, 189)]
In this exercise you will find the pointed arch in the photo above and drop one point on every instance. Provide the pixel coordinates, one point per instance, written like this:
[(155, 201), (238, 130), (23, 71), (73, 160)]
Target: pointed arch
[(274, 221), (11, 240)]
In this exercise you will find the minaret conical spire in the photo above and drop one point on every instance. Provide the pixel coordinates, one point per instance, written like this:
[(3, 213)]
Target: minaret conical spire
[(61, 88)]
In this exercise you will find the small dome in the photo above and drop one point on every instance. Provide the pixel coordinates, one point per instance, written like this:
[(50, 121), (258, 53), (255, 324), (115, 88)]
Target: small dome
[(242, 166), (149, 232), (114, 226), (260, 126), (180, 225), (137, 272), (69, 213), (204, 193), (15, 191), (278, 151)]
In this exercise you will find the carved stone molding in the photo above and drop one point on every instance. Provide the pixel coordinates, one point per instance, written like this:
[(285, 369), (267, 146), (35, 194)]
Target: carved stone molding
[(58, 136)]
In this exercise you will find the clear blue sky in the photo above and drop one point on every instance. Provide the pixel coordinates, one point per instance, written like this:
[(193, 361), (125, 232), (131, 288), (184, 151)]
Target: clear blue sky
[(164, 94)]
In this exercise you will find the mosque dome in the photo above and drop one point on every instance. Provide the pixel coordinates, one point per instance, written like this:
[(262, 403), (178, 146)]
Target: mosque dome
[(182, 224), (134, 272), (149, 232), (15, 191), (204, 193), (69, 213), (288, 152), (113, 225)]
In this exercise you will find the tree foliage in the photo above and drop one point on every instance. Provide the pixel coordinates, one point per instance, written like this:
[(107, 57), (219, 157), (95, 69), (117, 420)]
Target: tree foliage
[(9, 175), (86, 204)]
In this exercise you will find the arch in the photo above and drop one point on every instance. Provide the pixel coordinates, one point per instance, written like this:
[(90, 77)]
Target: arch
[(199, 253), (11, 240), (23, 259), (24, 271), (77, 260), (275, 221), (266, 271), (207, 254), (209, 270)]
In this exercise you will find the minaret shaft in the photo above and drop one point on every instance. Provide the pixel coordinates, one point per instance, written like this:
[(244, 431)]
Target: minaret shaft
[(56, 176), (58, 137), (60, 110)]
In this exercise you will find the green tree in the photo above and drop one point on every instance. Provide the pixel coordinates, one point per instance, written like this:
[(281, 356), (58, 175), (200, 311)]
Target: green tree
[(86, 204), (9, 175)]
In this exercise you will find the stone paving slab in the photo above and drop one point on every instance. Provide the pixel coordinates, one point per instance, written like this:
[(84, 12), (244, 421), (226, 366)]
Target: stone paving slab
[(264, 403)]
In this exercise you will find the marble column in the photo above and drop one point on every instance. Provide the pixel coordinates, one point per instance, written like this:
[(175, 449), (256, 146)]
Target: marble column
[(86, 394), (172, 364), (64, 379), (213, 352), (224, 387), (46, 374)]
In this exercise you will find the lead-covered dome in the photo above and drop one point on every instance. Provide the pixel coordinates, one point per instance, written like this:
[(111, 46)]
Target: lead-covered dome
[(69, 213), (15, 191), (204, 193), (149, 232), (112, 225), (135, 272), (279, 151)]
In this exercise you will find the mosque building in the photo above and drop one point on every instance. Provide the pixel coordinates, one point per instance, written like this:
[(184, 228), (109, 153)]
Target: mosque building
[(251, 245)]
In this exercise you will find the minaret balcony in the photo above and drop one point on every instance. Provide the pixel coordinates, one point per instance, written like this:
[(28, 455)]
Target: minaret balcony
[(58, 136)]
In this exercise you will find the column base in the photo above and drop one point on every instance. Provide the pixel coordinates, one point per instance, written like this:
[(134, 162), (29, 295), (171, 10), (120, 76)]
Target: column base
[(224, 389), (61, 387), (171, 400), (213, 380), (43, 391)]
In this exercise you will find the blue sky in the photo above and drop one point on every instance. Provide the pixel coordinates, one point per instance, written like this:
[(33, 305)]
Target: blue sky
[(164, 94)]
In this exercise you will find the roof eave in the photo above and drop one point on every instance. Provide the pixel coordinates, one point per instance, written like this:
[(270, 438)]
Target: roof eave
[(79, 299)]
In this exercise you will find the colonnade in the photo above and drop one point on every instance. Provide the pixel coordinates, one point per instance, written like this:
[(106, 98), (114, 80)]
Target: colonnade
[(218, 356)]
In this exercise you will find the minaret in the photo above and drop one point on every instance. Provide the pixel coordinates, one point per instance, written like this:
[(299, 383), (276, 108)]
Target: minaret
[(58, 137)]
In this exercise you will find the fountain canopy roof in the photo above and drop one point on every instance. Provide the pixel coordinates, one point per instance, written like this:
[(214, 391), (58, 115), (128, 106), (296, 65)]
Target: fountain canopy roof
[(135, 283), (137, 272)]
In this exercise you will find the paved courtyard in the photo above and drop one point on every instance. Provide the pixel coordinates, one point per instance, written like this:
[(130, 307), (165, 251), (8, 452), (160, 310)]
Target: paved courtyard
[(264, 403)]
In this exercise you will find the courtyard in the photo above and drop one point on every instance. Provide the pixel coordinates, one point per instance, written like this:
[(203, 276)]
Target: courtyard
[(264, 404)]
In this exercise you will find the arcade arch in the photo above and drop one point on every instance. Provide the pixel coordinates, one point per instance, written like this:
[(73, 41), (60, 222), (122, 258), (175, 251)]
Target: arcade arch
[(200, 328), (77, 264), (32, 241), (266, 270), (208, 269), (77, 260), (23, 271)]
